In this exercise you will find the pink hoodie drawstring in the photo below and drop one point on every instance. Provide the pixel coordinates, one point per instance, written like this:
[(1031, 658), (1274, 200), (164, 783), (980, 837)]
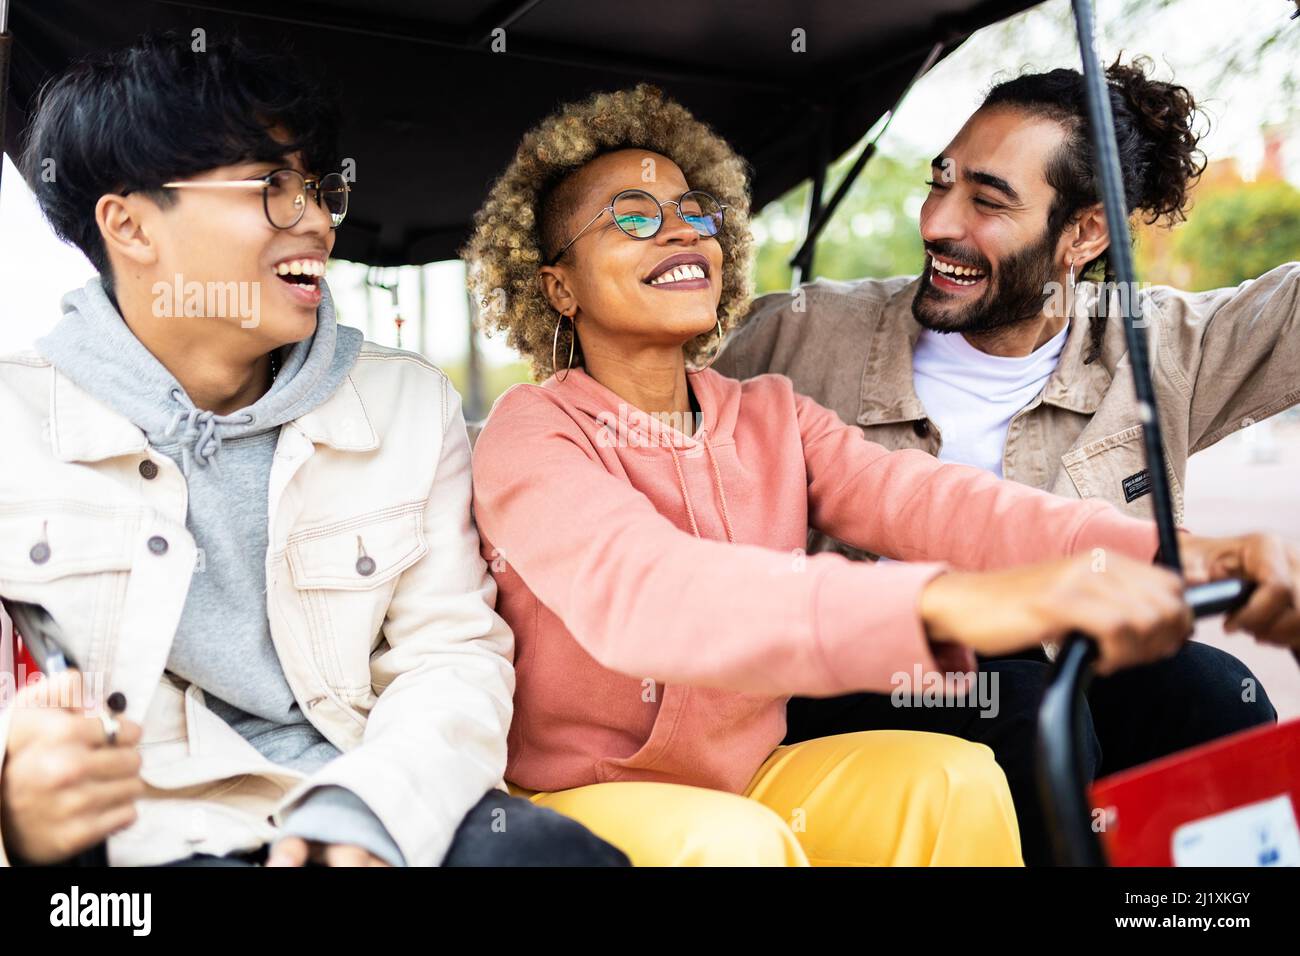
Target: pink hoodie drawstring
[(717, 481)]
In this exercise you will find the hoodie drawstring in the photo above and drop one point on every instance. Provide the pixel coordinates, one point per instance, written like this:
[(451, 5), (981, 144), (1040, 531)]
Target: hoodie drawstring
[(717, 483), (717, 479), (201, 440)]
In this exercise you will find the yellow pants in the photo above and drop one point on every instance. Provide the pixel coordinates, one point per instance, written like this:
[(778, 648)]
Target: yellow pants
[(875, 798)]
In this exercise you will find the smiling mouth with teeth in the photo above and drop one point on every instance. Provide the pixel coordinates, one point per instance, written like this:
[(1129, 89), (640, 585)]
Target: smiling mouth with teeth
[(681, 273), (301, 271), (958, 275)]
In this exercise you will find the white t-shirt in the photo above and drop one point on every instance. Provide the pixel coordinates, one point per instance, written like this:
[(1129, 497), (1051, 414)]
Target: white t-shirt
[(971, 396)]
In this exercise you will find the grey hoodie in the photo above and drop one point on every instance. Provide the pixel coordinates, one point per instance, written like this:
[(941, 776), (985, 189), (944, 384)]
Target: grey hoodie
[(223, 642)]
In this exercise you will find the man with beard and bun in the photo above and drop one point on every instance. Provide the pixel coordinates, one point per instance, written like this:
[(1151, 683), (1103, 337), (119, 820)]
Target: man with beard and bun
[(1008, 353)]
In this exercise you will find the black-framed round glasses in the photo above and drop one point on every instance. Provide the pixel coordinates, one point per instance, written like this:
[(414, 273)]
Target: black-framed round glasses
[(639, 215), (284, 194)]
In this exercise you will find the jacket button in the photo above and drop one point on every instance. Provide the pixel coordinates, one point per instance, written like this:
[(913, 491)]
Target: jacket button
[(158, 544), (148, 470), (116, 702), (921, 427), (365, 566), (40, 553)]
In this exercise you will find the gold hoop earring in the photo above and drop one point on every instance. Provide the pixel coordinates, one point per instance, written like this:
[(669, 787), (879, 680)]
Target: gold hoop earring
[(714, 356), (555, 343)]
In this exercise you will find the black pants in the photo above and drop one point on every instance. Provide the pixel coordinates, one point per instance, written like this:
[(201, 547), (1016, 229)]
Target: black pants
[(500, 830), (1135, 716)]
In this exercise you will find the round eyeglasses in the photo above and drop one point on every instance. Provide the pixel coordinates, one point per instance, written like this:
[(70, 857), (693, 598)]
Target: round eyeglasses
[(284, 194), (639, 215)]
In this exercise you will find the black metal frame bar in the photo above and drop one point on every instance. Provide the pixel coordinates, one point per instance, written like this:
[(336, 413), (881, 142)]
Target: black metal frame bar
[(819, 216), (6, 52), (1062, 779), (815, 214), (1120, 256)]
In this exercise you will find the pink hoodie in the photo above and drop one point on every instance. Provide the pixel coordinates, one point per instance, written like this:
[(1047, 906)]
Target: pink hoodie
[(662, 604)]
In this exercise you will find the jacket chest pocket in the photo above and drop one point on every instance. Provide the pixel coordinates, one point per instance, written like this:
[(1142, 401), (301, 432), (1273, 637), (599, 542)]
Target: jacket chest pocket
[(344, 575), (75, 562), (1114, 469)]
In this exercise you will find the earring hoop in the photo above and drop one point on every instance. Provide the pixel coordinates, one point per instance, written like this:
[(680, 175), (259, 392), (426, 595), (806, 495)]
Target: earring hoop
[(715, 351), (1072, 281), (555, 343)]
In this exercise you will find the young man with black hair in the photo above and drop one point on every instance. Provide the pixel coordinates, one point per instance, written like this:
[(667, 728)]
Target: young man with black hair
[(251, 527), (1000, 355)]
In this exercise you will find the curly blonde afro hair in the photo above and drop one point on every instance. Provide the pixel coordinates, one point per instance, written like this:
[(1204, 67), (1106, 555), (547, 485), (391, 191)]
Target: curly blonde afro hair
[(506, 249)]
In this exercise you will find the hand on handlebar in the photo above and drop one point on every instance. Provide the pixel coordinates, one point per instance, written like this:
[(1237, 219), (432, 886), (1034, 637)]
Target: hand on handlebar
[(1272, 614), (1135, 611)]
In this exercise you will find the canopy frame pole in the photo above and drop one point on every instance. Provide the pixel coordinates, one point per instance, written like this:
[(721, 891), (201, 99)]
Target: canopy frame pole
[(1120, 255), (802, 260), (1062, 778), (6, 52), (476, 404), (802, 263)]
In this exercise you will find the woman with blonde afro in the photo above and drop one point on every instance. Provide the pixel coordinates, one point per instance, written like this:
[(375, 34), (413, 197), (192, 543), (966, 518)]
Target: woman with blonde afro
[(645, 518)]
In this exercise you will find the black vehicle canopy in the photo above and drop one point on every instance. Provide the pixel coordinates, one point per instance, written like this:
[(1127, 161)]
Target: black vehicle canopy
[(434, 106)]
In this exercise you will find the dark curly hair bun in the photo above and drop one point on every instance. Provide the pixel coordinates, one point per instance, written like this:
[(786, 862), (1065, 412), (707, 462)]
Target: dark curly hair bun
[(1163, 129)]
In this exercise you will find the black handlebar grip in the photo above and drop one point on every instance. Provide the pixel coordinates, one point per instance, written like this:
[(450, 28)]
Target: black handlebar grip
[(1218, 597)]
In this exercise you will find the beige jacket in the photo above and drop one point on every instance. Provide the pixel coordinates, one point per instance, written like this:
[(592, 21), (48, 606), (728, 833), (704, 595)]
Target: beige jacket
[(1221, 360), (406, 669)]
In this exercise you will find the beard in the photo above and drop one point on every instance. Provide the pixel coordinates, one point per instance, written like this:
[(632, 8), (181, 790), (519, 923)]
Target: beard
[(1016, 293)]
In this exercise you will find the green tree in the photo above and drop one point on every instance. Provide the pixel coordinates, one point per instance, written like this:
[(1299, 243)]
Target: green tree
[(1237, 234)]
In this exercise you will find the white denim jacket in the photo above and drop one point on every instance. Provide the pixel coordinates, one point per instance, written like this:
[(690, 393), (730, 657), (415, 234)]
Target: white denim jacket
[(400, 661)]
